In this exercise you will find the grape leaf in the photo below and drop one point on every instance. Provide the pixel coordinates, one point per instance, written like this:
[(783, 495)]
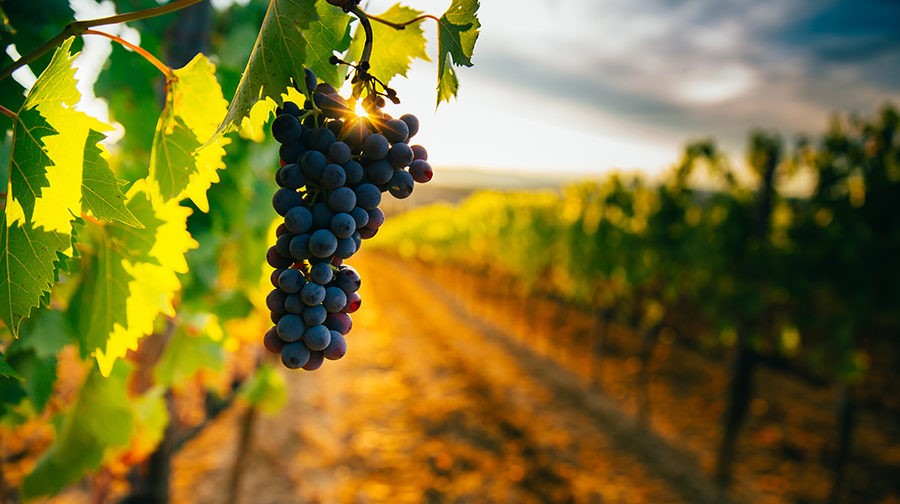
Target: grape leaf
[(51, 144), (457, 33), (101, 191), (392, 50), (294, 34), (100, 419), (132, 278), (186, 150)]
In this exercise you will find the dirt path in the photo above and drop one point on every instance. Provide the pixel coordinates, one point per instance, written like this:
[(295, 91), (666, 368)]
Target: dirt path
[(432, 405)]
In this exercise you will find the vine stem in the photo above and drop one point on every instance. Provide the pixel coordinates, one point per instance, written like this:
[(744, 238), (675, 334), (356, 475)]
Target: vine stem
[(367, 46), (76, 28), (162, 67), (403, 25), (9, 113)]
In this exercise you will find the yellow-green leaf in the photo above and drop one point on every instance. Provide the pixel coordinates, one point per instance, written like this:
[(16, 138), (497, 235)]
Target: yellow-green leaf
[(392, 50), (132, 277), (187, 151)]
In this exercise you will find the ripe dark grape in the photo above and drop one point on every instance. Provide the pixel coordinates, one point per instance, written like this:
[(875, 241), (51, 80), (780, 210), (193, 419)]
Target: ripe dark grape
[(332, 171)]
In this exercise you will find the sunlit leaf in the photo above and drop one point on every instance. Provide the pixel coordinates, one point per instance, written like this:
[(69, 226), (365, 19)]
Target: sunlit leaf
[(294, 34), (185, 155), (392, 50), (132, 278)]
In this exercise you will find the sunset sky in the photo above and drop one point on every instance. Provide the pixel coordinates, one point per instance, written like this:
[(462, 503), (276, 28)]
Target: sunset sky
[(586, 86)]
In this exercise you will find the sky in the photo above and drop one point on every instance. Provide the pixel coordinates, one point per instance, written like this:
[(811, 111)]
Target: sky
[(587, 86)]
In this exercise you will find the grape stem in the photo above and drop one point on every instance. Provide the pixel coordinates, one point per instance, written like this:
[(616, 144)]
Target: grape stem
[(367, 46), (403, 25), (77, 28), (9, 113), (162, 67)]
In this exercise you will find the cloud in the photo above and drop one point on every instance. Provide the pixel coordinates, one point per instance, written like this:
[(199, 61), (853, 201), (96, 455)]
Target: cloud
[(701, 66)]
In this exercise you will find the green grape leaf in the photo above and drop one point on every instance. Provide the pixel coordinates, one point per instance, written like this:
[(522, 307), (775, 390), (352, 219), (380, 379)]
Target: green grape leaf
[(132, 277), (294, 34), (392, 50), (101, 418), (101, 191), (196, 345), (44, 191), (187, 150), (457, 33)]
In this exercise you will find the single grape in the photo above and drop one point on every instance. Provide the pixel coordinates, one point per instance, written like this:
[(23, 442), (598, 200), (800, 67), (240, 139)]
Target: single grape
[(342, 199), (401, 184), (340, 322), (314, 315), (272, 342), (339, 152), (321, 273), (298, 220), (420, 170), (376, 218), (291, 176), (419, 152), (312, 294), (375, 146), (360, 215), (283, 243), (285, 199), (316, 359), (275, 301), (293, 304), (325, 88), (346, 247), (290, 328), (286, 128), (395, 131), (347, 278), (322, 243), (333, 176), (335, 299), (354, 172), (274, 276), (290, 281), (313, 163), (400, 155), (412, 124), (380, 172), (316, 337), (336, 348), (277, 260), (294, 355), (368, 196)]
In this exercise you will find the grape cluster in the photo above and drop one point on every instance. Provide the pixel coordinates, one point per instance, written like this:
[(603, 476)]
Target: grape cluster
[(334, 168)]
